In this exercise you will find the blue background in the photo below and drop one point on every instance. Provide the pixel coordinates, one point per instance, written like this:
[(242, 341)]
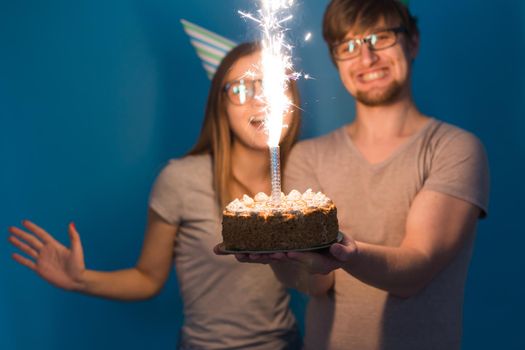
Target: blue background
[(95, 96)]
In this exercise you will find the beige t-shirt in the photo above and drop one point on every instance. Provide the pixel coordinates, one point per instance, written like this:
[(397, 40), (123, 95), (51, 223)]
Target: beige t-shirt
[(373, 201), (227, 305)]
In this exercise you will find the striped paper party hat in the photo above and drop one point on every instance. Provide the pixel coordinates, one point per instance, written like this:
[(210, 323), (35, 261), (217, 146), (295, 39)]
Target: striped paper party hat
[(210, 47)]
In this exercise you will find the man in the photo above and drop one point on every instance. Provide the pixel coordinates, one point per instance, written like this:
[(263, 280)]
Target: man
[(409, 190)]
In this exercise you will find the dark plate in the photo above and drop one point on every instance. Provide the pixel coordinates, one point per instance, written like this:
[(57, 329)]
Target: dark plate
[(219, 249)]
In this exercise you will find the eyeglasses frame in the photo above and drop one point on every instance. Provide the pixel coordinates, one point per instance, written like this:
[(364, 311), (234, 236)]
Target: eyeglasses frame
[(229, 84), (366, 40)]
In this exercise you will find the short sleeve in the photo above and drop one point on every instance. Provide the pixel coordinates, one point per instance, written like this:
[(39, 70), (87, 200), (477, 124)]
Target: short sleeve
[(299, 174), (165, 198), (460, 169)]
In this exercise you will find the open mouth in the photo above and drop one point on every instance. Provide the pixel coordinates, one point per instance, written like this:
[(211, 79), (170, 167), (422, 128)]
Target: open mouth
[(257, 121)]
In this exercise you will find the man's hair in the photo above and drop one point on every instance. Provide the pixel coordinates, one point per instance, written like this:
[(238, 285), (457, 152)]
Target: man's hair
[(216, 135), (359, 15)]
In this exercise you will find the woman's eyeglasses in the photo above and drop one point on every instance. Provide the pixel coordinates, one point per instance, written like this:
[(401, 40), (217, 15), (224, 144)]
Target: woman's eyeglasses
[(243, 90)]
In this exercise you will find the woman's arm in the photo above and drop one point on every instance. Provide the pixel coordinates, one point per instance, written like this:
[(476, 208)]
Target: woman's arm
[(64, 267), (294, 276), (309, 275)]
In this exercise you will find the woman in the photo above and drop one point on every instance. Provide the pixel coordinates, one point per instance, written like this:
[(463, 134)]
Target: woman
[(226, 305)]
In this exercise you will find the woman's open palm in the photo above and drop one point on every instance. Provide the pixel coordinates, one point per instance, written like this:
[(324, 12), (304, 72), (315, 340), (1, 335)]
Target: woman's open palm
[(57, 264)]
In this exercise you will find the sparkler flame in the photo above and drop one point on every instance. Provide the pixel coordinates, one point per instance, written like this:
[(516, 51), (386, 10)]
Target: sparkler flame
[(276, 67), (276, 64)]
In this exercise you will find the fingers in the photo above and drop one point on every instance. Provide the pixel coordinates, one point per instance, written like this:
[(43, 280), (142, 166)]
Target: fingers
[(23, 247), (76, 245), (341, 252), (303, 257), (345, 250), (255, 258), (217, 250), (279, 256), (261, 258), (346, 240), (251, 258), (242, 257), (38, 231), (28, 238), (314, 263), (24, 261)]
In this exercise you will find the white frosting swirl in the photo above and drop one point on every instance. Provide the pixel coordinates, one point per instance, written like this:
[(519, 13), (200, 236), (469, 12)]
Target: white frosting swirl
[(247, 200), (294, 195), (236, 206), (261, 197), (294, 202), (308, 195)]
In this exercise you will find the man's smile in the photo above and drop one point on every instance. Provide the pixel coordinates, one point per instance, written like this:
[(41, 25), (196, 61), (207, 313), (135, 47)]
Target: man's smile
[(374, 75)]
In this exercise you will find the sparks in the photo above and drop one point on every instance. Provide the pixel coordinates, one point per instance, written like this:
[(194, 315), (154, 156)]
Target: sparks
[(276, 62), (277, 70), (308, 36)]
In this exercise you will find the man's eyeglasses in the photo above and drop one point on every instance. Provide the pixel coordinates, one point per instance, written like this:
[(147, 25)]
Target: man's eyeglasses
[(379, 40), (243, 90)]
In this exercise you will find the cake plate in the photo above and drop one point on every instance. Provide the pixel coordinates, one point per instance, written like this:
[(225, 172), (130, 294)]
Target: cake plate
[(219, 249)]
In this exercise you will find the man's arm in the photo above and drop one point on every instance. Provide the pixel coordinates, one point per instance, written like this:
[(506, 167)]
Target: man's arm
[(438, 226)]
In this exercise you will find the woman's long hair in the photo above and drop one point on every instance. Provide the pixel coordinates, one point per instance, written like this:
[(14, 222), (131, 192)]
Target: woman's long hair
[(216, 136)]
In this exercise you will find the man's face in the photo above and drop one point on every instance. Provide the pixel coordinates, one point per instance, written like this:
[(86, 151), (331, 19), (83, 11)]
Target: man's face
[(378, 77)]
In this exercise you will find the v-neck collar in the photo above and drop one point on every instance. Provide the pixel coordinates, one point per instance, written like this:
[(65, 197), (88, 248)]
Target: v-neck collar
[(394, 154)]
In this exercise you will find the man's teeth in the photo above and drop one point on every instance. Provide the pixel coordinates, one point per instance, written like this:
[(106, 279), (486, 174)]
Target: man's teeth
[(374, 75)]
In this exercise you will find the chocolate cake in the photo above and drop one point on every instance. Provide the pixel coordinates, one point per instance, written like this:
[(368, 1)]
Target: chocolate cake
[(299, 221)]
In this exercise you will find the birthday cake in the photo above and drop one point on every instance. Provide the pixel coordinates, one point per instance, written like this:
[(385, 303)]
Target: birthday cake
[(298, 221)]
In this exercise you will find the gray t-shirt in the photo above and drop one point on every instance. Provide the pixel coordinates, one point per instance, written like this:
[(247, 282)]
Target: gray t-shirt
[(227, 305), (373, 201)]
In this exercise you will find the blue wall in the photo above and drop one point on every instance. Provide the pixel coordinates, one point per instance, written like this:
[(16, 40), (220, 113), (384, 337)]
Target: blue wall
[(96, 95)]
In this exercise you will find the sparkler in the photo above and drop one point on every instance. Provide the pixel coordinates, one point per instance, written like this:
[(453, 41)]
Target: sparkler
[(276, 67)]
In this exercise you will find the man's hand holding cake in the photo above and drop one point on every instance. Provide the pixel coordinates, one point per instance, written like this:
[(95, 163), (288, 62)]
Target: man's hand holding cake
[(338, 255)]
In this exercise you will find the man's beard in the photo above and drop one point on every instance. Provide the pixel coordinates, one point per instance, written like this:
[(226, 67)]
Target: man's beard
[(385, 97)]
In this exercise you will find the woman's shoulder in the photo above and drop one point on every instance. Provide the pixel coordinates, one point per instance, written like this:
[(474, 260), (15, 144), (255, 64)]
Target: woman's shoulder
[(187, 168), (189, 163)]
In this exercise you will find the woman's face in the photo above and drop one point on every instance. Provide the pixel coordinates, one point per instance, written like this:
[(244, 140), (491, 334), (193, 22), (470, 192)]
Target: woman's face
[(244, 107)]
